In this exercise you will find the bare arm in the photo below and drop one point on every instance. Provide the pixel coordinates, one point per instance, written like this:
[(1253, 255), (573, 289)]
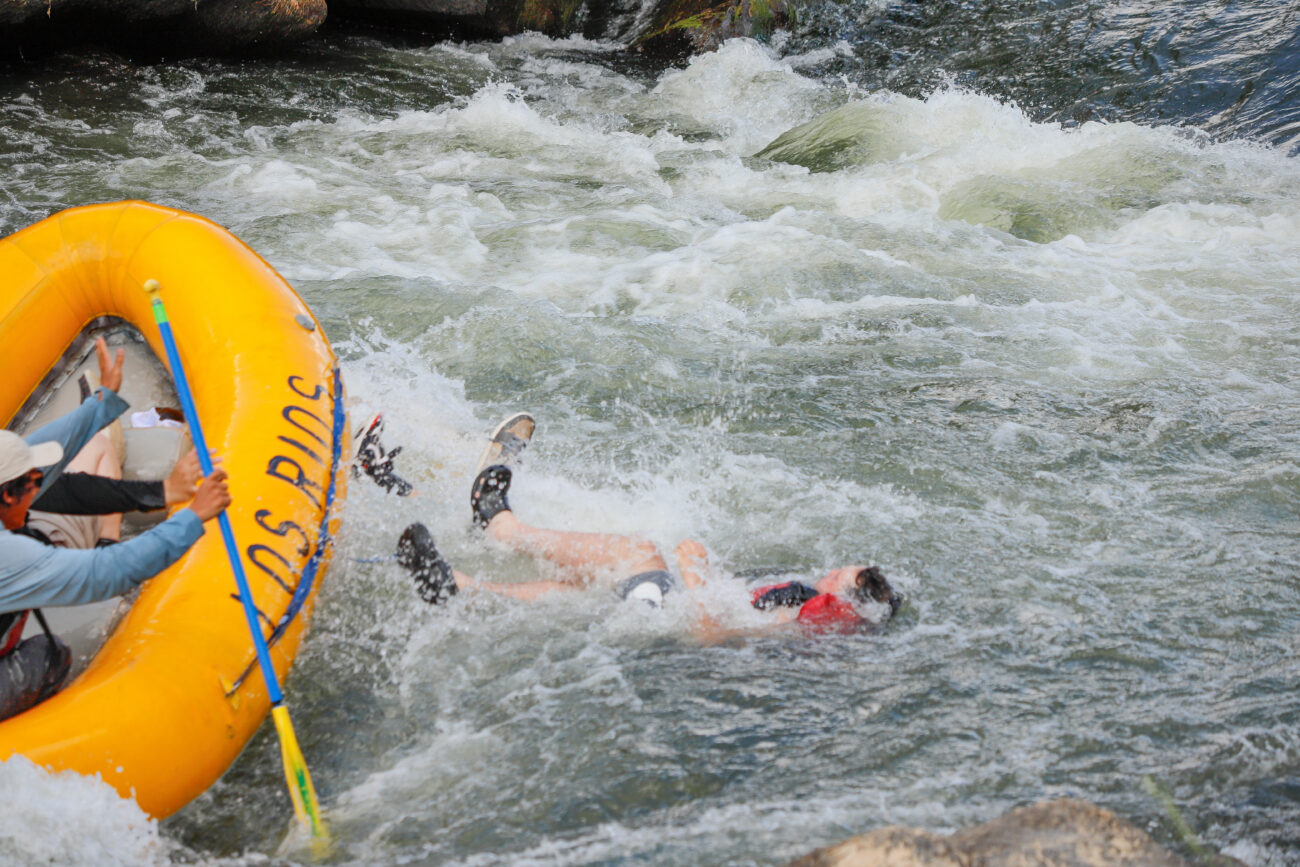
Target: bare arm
[(692, 564), (213, 496), (181, 485), (110, 366)]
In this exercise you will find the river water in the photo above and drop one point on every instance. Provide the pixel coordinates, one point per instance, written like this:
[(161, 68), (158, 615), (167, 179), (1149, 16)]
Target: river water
[(1034, 358)]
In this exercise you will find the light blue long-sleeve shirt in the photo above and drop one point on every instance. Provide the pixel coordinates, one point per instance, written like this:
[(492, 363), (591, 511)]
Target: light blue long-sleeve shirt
[(33, 574)]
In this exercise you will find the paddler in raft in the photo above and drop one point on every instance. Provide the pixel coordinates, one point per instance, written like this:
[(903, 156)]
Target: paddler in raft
[(845, 600), (35, 573)]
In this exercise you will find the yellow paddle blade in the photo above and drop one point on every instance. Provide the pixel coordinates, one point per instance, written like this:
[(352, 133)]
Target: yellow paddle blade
[(301, 790)]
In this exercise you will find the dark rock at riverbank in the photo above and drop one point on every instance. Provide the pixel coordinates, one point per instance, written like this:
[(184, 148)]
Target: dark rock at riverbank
[(681, 28), (1061, 833), (673, 29), (247, 22), (465, 19), (159, 26)]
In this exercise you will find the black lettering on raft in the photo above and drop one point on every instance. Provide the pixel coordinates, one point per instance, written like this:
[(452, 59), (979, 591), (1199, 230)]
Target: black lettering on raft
[(311, 438), (260, 613), (316, 394), (302, 448), (287, 412), (283, 529), (254, 550), (298, 479)]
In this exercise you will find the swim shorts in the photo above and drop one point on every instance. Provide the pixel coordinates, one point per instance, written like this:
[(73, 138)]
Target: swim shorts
[(649, 587)]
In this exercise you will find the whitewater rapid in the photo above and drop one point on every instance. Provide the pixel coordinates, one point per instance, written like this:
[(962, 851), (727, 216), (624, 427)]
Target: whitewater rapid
[(1042, 374)]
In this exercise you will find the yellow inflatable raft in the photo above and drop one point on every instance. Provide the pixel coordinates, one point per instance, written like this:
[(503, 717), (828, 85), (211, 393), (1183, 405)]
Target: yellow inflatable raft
[(173, 694)]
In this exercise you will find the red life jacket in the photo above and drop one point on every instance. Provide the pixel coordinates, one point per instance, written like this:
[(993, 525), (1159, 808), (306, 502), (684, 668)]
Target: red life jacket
[(11, 630), (821, 611), (829, 613)]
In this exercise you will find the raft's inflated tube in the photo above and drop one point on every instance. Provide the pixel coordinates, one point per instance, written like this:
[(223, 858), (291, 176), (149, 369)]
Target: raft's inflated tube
[(167, 703)]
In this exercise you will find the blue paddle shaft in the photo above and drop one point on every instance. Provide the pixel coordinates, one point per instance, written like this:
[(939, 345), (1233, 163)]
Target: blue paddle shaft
[(227, 532)]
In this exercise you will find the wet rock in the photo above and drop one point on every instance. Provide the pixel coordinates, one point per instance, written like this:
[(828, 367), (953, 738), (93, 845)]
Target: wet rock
[(469, 19), (1061, 833), (676, 28), (17, 13), (251, 22), (160, 25), (852, 135), (894, 846), (680, 28)]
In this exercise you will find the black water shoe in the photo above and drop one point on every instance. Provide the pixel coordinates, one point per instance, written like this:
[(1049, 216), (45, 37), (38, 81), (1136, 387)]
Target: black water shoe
[(488, 496), (417, 554)]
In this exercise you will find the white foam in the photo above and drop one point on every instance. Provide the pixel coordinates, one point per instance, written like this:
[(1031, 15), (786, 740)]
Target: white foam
[(715, 90), (68, 819)]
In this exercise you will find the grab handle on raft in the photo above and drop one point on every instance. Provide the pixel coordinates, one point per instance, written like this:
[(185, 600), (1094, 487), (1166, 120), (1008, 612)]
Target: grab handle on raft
[(301, 790)]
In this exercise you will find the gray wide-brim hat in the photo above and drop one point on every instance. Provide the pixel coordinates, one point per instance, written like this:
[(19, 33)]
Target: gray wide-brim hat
[(17, 457)]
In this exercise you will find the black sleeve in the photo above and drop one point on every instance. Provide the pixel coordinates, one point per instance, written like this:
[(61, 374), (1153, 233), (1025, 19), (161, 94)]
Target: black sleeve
[(789, 595), (86, 494)]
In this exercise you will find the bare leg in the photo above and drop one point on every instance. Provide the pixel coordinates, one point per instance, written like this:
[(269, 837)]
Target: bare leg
[(583, 555), (99, 457), (436, 581), (528, 590)]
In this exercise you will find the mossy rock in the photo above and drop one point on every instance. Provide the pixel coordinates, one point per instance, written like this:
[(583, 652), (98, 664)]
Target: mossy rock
[(681, 28), (552, 17)]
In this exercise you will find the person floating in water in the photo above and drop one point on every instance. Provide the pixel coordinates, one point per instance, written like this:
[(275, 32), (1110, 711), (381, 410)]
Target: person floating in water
[(845, 599)]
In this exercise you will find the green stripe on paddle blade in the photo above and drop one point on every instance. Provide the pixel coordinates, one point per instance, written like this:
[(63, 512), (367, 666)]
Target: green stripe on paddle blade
[(301, 790)]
